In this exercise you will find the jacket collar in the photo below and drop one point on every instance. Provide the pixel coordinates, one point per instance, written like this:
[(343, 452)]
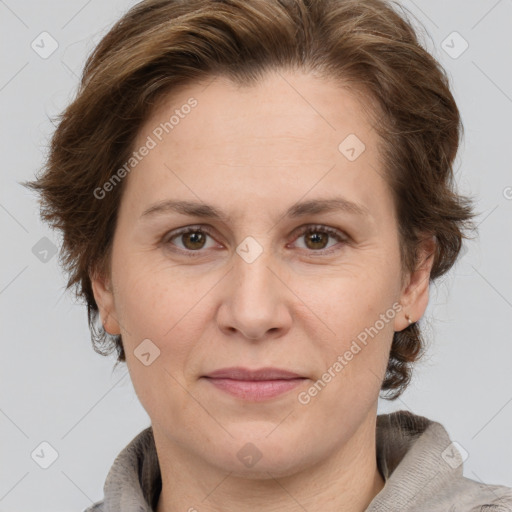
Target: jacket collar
[(421, 468)]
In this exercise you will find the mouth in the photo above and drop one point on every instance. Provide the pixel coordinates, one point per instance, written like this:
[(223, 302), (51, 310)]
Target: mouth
[(254, 385)]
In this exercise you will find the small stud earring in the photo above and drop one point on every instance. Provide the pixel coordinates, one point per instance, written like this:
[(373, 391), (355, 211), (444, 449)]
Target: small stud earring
[(408, 318)]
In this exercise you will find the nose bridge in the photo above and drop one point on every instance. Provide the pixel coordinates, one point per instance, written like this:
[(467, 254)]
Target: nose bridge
[(254, 282), (255, 304)]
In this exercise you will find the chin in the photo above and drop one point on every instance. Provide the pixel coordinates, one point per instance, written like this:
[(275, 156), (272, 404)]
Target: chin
[(261, 458)]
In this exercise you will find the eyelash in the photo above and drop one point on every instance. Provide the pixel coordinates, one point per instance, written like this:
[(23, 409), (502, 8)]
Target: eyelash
[(339, 235)]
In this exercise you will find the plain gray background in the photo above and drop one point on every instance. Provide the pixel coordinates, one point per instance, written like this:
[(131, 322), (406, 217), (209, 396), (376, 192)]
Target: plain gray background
[(55, 388)]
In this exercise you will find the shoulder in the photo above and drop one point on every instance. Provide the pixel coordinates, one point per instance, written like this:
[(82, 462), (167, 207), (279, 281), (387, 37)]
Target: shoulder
[(423, 470), (484, 497), (96, 507)]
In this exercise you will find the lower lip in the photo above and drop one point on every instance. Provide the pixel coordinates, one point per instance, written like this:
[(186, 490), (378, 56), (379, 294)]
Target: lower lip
[(255, 390)]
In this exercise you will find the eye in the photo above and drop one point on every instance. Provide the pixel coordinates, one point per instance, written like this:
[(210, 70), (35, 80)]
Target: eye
[(192, 239), (316, 238)]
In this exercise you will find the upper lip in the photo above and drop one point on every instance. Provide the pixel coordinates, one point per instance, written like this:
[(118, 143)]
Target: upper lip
[(239, 373)]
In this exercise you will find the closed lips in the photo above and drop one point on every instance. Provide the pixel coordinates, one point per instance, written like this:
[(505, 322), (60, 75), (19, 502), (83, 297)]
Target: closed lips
[(238, 373)]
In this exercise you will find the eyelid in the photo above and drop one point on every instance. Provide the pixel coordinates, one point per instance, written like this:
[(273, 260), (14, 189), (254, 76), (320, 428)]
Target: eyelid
[(320, 227)]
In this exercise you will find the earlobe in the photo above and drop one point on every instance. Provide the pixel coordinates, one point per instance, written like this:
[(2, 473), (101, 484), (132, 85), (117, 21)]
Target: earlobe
[(415, 296), (104, 297)]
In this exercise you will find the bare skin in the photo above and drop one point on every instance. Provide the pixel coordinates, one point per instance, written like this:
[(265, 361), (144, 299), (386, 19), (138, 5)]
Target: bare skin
[(253, 153)]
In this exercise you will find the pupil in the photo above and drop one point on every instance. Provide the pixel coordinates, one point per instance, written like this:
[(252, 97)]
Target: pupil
[(196, 239), (316, 238)]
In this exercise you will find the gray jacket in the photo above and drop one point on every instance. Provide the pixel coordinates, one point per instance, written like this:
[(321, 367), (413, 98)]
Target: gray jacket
[(421, 467)]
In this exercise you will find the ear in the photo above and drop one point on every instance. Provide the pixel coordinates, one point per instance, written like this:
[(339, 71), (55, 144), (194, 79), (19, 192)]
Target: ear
[(104, 297), (415, 293)]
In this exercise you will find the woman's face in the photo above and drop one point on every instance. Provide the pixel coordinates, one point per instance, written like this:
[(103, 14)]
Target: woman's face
[(299, 271)]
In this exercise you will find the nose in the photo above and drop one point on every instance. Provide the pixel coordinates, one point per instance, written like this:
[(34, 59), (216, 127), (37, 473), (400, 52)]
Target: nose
[(256, 302)]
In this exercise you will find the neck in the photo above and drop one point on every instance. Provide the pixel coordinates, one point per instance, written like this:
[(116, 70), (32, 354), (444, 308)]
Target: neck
[(346, 482)]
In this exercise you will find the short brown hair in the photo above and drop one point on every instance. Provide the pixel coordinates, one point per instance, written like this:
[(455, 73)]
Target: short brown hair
[(159, 45)]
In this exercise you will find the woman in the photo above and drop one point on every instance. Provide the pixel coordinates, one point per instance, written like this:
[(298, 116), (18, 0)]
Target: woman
[(254, 198)]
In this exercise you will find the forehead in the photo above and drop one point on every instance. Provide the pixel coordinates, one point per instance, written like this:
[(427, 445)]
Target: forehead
[(288, 131), (283, 106)]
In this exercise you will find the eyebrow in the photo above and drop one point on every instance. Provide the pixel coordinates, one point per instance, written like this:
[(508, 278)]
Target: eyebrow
[(204, 210)]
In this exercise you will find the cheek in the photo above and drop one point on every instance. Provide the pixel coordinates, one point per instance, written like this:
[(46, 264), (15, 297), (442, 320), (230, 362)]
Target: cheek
[(152, 307), (148, 301), (166, 307), (354, 359), (355, 310), (351, 298)]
